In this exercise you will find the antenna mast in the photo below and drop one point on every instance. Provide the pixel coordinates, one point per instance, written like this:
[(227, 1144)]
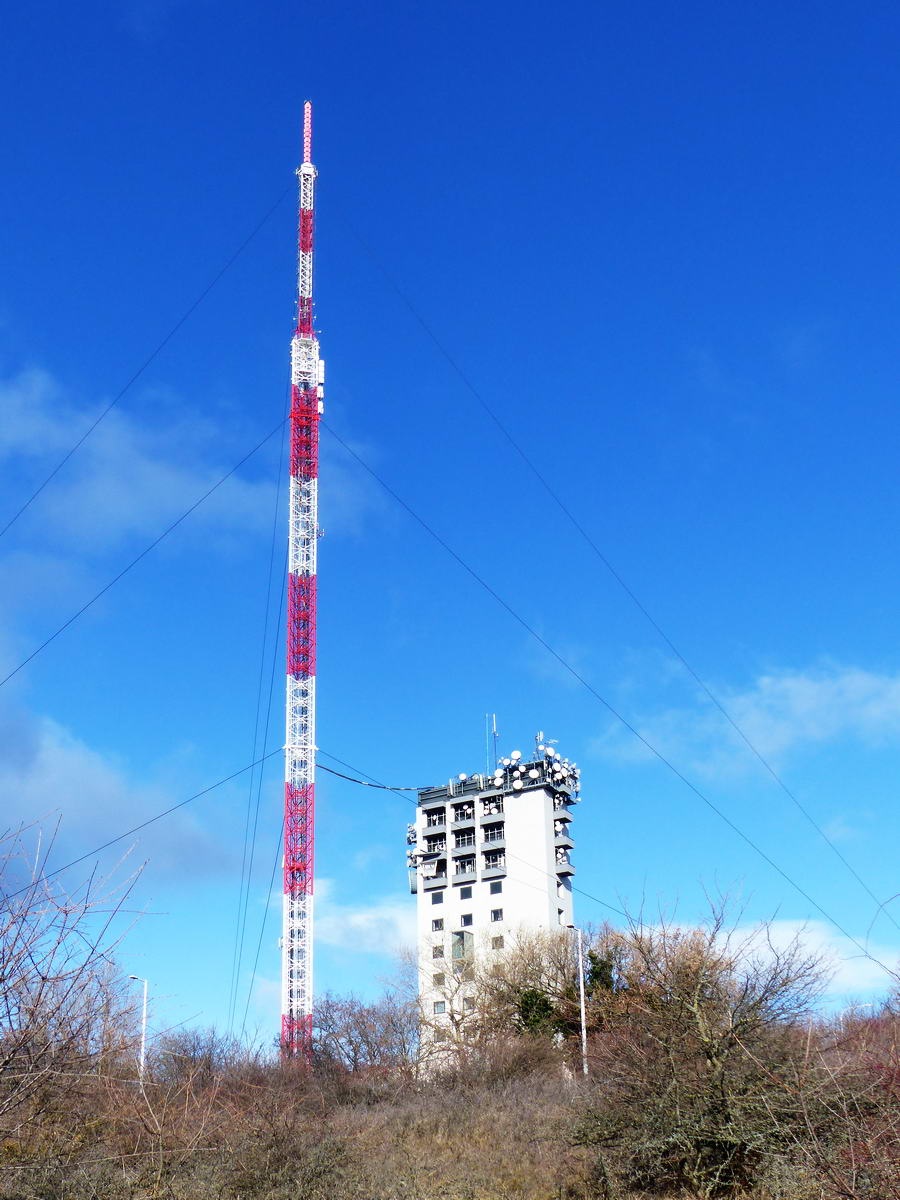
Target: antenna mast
[(307, 377)]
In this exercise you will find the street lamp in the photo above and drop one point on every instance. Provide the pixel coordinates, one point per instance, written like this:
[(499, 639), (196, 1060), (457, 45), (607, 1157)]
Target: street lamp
[(143, 1057), (584, 1063)]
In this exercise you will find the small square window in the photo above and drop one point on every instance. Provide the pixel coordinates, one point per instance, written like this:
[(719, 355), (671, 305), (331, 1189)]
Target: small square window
[(465, 893), (468, 1002), (437, 924), (497, 943), (496, 887), (440, 1035), (437, 951), (465, 919), (438, 979), (440, 1006), (437, 897), (496, 914)]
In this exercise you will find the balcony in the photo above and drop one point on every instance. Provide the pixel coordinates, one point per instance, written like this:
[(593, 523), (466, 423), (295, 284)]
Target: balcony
[(463, 823), (430, 882), (464, 869), (563, 866), (464, 841), (563, 841), (494, 835), (493, 864)]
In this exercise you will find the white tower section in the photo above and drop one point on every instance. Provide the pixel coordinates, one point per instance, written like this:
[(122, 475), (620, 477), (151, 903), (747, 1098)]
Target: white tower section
[(489, 857)]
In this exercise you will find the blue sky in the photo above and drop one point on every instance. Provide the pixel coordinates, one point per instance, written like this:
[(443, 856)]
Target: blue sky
[(661, 244)]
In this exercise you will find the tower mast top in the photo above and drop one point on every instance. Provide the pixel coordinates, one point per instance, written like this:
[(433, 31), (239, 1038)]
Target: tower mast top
[(307, 132)]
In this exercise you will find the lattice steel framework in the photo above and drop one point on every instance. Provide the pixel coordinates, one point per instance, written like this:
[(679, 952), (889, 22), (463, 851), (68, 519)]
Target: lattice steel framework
[(307, 377)]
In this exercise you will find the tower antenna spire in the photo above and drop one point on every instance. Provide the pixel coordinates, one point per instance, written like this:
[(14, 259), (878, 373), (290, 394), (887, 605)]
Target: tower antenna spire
[(307, 132), (307, 379)]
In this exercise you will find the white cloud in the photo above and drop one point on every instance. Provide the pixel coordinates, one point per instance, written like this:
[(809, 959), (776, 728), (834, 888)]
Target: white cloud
[(782, 712), (131, 476), (384, 926), (853, 971), (47, 775)]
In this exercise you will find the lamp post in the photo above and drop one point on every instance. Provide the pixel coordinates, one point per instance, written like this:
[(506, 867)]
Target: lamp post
[(584, 1062), (143, 1057)]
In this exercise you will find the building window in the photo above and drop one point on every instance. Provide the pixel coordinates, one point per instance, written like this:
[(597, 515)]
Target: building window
[(465, 893), (494, 859), (492, 806), (496, 914), (465, 865), (437, 897), (440, 1035), (438, 979), (437, 951), (440, 1006), (435, 817), (494, 833), (464, 812), (468, 1002), (464, 839), (497, 943), (465, 919), (437, 925), (434, 845), (496, 887), (463, 946), (562, 919)]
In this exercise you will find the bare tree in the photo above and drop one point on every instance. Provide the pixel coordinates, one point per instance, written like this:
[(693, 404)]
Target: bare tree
[(700, 1042), (63, 1014), (355, 1036)]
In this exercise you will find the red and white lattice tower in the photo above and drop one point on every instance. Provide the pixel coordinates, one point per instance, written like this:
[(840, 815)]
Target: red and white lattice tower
[(307, 376)]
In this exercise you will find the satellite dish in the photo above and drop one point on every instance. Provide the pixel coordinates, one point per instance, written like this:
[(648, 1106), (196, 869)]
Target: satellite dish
[(517, 784), (463, 778), (506, 762), (533, 774), (516, 755)]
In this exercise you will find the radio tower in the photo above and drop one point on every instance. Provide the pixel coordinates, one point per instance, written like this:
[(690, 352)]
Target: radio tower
[(307, 377)]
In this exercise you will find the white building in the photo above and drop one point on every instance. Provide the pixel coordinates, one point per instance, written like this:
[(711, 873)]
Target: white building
[(489, 856)]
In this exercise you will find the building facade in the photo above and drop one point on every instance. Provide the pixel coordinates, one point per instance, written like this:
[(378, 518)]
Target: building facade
[(489, 856)]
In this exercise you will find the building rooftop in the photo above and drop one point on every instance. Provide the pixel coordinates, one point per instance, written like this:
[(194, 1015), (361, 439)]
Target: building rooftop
[(546, 770)]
